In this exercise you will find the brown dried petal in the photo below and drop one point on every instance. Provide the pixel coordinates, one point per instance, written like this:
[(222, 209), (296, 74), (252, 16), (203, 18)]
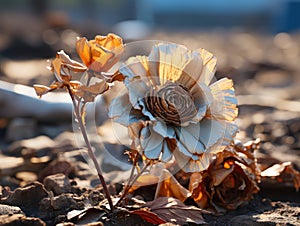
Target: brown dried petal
[(88, 93), (71, 64), (229, 181), (172, 103), (168, 186)]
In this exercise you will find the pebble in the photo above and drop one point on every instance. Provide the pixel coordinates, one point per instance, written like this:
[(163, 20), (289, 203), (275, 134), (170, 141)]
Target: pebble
[(6, 209), (20, 220), (58, 184)]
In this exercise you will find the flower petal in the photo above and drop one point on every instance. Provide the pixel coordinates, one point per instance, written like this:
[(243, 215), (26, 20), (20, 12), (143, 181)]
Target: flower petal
[(224, 106), (173, 62), (137, 89), (211, 131), (197, 163), (83, 50), (135, 66), (151, 143), (209, 65), (120, 108), (216, 135), (189, 137), (110, 41), (166, 152), (164, 130)]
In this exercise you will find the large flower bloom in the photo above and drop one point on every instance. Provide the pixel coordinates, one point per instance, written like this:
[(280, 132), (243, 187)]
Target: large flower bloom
[(171, 109)]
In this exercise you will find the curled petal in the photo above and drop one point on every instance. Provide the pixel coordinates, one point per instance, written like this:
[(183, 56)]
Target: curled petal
[(40, 90), (110, 42), (190, 138), (194, 163), (120, 109), (88, 93), (209, 65), (224, 105), (168, 186), (83, 50), (137, 91), (216, 135), (71, 64), (151, 143)]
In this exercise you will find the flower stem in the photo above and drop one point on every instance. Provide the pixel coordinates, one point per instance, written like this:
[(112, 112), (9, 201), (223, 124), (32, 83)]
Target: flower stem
[(89, 148), (131, 182)]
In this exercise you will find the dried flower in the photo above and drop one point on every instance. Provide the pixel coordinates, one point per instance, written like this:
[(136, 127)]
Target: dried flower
[(230, 181), (172, 110), (101, 53), (61, 66)]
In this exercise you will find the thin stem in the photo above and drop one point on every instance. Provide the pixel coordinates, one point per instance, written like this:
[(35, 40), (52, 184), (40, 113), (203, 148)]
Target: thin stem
[(130, 183), (89, 148)]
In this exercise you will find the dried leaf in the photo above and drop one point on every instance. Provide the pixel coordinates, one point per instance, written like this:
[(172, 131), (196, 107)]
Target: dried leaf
[(283, 172), (88, 93), (85, 216), (174, 211), (41, 89), (148, 216), (144, 180), (168, 186)]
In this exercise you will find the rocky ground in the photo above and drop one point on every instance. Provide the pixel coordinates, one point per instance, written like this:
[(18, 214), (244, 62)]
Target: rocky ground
[(44, 177)]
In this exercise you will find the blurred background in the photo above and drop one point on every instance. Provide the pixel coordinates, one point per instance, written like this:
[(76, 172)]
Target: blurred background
[(257, 44)]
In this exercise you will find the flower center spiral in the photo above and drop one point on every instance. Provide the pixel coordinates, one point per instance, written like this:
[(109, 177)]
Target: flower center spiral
[(173, 103)]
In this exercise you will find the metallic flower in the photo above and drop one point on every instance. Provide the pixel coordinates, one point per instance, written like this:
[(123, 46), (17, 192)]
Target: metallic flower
[(171, 109), (101, 53)]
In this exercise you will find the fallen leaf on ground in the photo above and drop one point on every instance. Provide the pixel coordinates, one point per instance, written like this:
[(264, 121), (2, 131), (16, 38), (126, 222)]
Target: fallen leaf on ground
[(283, 172), (174, 211), (148, 216)]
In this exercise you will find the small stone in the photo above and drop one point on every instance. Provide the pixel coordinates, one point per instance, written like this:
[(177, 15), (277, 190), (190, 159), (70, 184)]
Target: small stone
[(31, 147), (58, 183), (27, 198), (20, 220), (6, 209), (21, 128), (55, 167), (60, 204)]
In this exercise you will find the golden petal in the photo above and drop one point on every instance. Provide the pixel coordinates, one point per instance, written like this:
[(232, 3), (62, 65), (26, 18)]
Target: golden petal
[(224, 106), (168, 61), (110, 42), (84, 51), (209, 65), (168, 186)]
